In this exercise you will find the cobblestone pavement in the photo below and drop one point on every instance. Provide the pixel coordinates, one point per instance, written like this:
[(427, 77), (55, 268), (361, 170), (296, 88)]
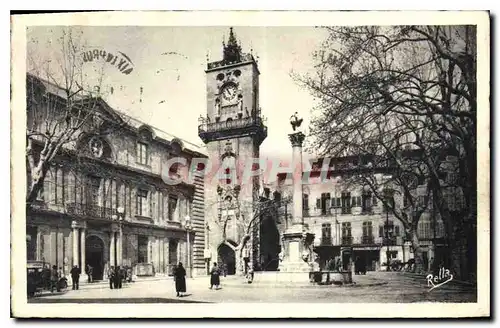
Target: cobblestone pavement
[(375, 287)]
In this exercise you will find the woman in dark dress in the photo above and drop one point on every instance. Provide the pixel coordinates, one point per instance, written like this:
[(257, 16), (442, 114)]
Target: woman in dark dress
[(215, 277), (180, 280)]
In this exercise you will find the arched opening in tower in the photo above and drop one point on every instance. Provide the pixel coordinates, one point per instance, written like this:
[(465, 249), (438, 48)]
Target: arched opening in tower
[(269, 245)]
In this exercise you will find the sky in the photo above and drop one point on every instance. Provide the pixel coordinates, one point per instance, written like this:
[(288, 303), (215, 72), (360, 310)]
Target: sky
[(169, 64)]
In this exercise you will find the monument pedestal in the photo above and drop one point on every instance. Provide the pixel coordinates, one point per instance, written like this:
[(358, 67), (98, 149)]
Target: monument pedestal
[(297, 254)]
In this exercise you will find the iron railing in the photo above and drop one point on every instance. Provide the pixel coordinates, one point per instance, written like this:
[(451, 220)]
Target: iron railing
[(90, 210), (326, 241), (347, 240), (243, 58), (231, 124), (367, 240)]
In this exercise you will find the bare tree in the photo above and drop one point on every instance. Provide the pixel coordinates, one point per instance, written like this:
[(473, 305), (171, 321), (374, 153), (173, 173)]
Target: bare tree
[(60, 106), (406, 96)]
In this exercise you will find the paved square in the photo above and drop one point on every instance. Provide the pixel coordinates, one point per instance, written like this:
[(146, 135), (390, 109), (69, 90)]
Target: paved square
[(375, 287)]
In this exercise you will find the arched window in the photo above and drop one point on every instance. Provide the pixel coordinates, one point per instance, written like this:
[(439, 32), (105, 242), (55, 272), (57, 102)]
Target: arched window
[(228, 170)]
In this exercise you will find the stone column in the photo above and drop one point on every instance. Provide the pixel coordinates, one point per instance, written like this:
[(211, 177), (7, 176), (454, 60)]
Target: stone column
[(166, 254), (75, 243), (119, 247), (297, 139), (39, 240), (82, 247), (161, 256), (112, 249), (296, 239)]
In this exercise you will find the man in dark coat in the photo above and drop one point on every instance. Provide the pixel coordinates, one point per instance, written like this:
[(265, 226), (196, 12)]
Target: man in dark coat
[(75, 276), (111, 277), (90, 271), (54, 279), (214, 277), (180, 280), (118, 277)]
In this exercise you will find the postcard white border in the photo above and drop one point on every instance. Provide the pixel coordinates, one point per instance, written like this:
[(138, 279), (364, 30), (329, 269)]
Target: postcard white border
[(19, 304)]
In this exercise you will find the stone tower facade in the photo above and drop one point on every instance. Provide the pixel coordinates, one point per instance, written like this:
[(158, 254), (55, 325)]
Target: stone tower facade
[(233, 131)]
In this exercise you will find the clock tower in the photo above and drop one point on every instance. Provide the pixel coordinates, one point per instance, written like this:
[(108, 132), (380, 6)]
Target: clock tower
[(233, 131)]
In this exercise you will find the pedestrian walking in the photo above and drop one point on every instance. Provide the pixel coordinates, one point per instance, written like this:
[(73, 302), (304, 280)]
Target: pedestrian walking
[(111, 277), (54, 279), (249, 274), (215, 277), (118, 277), (180, 280), (75, 276), (90, 271)]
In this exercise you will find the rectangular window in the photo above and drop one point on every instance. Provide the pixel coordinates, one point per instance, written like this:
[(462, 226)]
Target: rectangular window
[(326, 233), (366, 203), (346, 233), (325, 203), (305, 202), (142, 203), (142, 254), (381, 231), (346, 202), (172, 205), (93, 185), (142, 153), (337, 202), (396, 231), (367, 233)]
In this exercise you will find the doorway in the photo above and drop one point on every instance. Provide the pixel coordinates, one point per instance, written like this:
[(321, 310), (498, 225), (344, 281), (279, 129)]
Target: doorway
[(94, 256), (269, 245), (227, 259)]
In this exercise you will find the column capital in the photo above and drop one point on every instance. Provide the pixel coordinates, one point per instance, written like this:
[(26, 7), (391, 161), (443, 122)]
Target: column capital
[(297, 139), (78, 224), (115, 227)]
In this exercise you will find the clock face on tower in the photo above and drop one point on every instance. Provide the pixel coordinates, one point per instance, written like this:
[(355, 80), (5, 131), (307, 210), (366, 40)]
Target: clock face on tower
[(229, 92)]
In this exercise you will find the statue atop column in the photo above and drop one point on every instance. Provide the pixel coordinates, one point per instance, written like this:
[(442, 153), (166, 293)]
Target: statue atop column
[(295, 121)]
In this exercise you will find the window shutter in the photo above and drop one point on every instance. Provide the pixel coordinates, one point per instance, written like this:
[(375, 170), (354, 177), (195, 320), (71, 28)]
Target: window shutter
[(152, 210), (133, 203), (318, 202)]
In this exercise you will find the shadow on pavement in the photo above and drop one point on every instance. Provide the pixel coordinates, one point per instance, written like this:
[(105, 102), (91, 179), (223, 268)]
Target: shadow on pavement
[(113, 300)]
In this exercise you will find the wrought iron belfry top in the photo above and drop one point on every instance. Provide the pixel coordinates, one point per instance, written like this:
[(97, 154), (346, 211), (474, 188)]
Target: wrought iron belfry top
[(232, 53)]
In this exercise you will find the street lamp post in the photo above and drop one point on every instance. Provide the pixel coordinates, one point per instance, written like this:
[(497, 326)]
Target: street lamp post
[(187, 226)]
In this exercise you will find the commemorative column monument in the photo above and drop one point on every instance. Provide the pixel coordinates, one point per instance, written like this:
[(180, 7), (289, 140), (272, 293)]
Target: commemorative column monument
[(296, 240)]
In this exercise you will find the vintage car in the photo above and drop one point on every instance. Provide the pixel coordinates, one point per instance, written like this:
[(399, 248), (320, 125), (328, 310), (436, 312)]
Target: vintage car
[(38, 278), (36, 274)]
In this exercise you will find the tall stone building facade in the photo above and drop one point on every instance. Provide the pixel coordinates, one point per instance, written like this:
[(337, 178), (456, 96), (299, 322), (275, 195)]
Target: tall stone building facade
[(350, 222), (233, 131), (105, 201)]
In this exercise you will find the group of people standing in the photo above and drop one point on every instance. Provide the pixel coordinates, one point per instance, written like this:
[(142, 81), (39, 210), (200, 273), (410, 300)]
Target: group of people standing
[(180, 278), (116, 275)]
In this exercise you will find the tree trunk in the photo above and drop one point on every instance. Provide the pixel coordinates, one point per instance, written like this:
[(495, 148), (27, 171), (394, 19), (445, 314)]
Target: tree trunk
[(36, 184), (417, 252)]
